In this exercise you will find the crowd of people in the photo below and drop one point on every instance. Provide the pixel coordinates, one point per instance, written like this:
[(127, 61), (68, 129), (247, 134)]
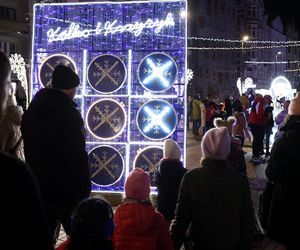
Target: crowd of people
[(206, 208)]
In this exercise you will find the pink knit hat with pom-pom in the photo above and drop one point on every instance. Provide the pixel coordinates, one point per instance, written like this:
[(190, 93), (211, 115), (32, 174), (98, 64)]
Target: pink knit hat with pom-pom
[(215, 143)]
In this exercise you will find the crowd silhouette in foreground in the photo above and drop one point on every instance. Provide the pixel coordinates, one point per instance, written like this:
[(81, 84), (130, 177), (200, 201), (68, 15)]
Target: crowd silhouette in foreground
[(206, 208)]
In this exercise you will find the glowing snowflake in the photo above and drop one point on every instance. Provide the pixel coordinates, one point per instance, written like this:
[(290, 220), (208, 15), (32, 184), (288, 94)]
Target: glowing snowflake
[(104, 162), (18, 67), (189, 75), (106, 115)]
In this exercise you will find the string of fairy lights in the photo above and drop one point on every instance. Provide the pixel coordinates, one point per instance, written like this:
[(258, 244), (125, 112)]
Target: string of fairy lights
[(242, 41), (242, 45)]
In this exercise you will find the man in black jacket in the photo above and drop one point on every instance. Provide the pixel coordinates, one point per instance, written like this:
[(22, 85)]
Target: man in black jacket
[(24, 219), (54, 143)]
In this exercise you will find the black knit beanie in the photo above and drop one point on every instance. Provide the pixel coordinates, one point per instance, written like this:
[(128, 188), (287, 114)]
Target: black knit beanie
[(64, 78)]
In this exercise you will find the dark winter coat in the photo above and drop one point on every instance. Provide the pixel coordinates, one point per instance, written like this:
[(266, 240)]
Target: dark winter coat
[(54, 142), (236, 158), (216, 201), (284, 170), (23, 219), (170, 173), (269, 119)]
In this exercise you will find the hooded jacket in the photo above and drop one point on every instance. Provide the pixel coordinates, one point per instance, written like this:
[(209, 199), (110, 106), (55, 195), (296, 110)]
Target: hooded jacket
[(169, 176), (54, 142)]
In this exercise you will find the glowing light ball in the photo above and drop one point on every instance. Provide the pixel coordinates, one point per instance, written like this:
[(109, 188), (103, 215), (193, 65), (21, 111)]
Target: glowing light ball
[(281, 87)]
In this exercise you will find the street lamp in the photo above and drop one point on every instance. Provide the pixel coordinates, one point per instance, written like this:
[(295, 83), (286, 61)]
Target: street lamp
[(276, 58), (244, 39)]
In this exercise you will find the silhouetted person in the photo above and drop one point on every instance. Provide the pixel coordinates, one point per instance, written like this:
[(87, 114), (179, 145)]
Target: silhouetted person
[(21, 95), (92, 226), (284, 171), (269, 123), (215, 200), (24, 220), (170, 173), (54, 143)]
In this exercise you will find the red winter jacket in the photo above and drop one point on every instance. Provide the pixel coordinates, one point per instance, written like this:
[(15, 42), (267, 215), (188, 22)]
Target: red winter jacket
[(140, 227), (257, 113)]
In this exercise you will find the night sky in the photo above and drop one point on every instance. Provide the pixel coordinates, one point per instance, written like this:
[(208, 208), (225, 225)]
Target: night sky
[(285, 9)]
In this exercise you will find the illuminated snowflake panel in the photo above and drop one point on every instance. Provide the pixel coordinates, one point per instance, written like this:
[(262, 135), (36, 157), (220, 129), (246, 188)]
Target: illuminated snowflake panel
[(106, 165), (148, 159), (48, 66), (157, 72), (106, 119), (106, 73), (157, 119)]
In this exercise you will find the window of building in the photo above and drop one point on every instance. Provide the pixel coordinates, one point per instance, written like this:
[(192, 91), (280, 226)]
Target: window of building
[(252, 11), (222, 8), (252, 30), (5, 48), (213, 55), (206, 53), (228, 11), (12, 48), (208, 7), (201, 22), (216, 7), (8, 48), (8, 14), (200, 72)]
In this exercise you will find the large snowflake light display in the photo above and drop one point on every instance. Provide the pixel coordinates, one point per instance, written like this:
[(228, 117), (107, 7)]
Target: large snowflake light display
[(189, 75), (131, 60), (18, 66), (157, 72)]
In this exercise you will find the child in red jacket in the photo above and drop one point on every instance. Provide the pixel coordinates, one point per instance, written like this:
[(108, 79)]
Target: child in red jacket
[(138, 225)]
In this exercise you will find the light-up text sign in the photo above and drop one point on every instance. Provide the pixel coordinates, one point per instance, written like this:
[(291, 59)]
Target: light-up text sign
[(74, 30)]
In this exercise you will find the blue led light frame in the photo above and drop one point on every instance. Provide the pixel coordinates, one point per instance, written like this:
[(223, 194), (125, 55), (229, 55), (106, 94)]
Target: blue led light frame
[(130, 31)]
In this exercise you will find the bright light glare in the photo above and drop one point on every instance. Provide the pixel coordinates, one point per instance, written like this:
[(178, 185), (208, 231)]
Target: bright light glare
[(157, 119), (158, 72), (183, 14)]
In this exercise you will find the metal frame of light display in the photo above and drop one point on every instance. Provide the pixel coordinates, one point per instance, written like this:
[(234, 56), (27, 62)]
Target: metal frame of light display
[(131, 58)]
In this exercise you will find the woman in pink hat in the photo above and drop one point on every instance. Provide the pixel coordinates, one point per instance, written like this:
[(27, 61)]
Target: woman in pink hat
[(215, 200)]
